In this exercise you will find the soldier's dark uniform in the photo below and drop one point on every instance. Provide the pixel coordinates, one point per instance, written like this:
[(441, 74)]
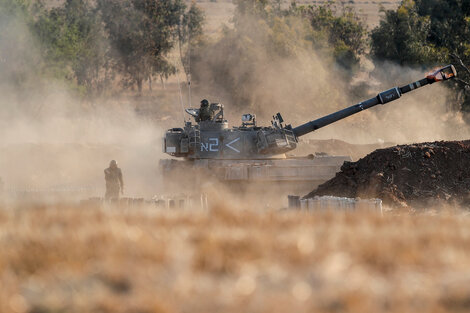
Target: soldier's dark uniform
[(205, 113), (114, 181)]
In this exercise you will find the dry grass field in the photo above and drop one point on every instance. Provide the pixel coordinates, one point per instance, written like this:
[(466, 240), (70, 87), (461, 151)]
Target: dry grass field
[(227, 259)]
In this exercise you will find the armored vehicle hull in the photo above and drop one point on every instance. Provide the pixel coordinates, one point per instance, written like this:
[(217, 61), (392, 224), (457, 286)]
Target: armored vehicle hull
[(291, 174)]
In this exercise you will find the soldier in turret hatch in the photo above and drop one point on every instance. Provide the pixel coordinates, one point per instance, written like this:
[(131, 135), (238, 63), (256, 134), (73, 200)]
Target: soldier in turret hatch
[(205, 113), (114, 182)]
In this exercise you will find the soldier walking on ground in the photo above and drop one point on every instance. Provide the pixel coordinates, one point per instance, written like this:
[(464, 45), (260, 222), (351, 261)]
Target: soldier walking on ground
[(114, 182)]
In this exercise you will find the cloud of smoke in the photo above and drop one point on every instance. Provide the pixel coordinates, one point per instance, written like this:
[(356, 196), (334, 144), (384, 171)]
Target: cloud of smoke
[(307, 85), (63, 154), (53, 144)]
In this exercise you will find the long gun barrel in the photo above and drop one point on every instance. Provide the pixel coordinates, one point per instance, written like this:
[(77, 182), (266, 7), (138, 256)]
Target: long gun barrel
[(390, 95)]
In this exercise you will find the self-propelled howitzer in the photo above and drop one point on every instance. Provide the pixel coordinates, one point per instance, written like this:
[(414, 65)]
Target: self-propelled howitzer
[(252, 152), (213, 139)]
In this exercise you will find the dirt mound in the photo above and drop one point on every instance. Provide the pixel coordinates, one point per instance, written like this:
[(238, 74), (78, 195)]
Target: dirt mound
[(406, 175)]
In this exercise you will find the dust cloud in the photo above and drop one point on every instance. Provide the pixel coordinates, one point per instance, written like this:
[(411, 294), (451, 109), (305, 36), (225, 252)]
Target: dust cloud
[(303, 89), (63, 155), (53, 143), (307, 84)]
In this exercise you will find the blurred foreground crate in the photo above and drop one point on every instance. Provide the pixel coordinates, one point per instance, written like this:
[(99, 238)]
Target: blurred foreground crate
[(194, 201), (330, 203)]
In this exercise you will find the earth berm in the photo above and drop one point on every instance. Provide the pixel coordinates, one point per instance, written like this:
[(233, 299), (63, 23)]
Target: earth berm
[(415, 175)]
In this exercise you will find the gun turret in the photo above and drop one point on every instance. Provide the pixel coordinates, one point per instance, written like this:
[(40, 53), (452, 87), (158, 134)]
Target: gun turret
[(390, 95)]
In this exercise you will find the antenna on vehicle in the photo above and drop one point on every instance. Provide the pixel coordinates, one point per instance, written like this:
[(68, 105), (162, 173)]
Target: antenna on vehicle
[(181, 97), (187, 66), (188, 73)]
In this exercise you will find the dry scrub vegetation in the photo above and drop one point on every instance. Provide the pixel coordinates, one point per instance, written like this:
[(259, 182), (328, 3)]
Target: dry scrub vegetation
[(88, 259)]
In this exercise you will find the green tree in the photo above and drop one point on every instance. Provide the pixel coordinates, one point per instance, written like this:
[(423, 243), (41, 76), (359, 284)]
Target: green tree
[(73, 44), (340, 30), (449, 21), (450, 32), (424, 33), (190, 35), (18, 60), (141, 33), (402, 37)]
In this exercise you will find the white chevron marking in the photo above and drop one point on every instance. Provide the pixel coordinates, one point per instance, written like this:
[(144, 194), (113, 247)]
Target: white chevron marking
[(231, 142)]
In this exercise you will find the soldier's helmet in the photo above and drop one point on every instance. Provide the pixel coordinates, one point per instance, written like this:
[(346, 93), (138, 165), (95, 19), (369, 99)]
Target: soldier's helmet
[(204, 103), (113, 164)]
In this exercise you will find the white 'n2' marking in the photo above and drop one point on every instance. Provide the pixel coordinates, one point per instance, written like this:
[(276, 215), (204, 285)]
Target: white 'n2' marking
[(211, 145)]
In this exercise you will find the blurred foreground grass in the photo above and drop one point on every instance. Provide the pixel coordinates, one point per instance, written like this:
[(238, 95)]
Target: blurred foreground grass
[(76, 259)]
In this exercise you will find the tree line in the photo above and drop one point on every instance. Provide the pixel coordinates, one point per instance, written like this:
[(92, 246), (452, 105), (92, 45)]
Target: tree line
[(424, 33), (92, 44), (89, 44)]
